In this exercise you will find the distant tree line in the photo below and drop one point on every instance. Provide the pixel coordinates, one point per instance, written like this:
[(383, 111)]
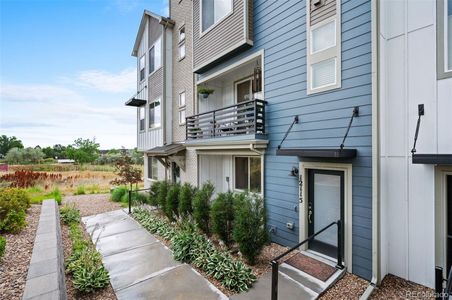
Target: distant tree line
[(82, 151)]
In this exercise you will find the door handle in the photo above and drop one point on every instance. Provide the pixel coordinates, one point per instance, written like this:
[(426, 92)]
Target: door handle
[(309, 213)]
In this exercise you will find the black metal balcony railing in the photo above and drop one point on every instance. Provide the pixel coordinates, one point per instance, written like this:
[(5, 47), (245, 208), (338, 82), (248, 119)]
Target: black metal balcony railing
[(238, 119)]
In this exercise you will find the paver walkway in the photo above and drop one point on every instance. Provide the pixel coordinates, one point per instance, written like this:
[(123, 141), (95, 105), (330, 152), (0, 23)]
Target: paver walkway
[(140, 266)]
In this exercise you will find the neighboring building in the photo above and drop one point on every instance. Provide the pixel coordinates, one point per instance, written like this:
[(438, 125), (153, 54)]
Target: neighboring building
[(312, 104), (415, 189)]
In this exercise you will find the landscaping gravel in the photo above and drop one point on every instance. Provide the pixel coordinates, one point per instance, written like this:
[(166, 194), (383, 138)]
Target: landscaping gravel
[(92, 204), (14, 265), (393, 287), (348, 287)]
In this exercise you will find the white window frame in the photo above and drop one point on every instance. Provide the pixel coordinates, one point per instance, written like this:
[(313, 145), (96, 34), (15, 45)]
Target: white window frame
[(159, 40), (203, 32), (324, 54), (151, 161), (140, 69), (149, 109), (249, 78), (182, 107), (443, 70), (249, 173), (181, 42), (144, 118)]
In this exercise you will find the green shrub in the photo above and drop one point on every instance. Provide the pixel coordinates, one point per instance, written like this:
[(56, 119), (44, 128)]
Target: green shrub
[(249, 225), (162, 193), (118, 193), (85, 263), (222, 216), (14, 203), (186, 194), (201, 206), (2, 246), (56, 194), (93, 189), (190, 246), (153, 195), (80, 190), (69, 215), (172, 201)]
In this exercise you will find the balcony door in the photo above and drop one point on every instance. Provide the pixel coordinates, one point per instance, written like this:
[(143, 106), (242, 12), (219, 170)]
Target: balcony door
[(325, 205), (243, 90), (449, 222)]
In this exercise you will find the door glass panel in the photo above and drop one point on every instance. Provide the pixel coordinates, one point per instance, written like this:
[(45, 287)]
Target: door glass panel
[(244, 91), (327, 206)]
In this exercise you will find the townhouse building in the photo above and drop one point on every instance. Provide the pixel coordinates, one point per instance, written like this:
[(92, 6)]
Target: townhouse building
[(312, 104)]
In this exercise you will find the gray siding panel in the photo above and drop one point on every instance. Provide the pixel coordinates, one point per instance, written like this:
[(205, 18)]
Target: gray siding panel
[(229, 34)]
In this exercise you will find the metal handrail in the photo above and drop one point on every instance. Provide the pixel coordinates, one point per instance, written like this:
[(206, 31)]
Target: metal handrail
[(226, 107), (275, 264), (129, 200)]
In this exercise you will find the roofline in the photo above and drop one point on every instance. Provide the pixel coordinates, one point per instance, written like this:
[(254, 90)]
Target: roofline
[(162, 20)]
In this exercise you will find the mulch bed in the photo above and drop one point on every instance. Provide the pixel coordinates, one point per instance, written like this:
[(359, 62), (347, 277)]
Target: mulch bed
[(313, 267), (348, 287), (14, 265), (92, 204), (393, 287)]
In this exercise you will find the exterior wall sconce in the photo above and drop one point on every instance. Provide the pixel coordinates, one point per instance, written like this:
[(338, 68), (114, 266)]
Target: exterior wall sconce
[(294, 172)]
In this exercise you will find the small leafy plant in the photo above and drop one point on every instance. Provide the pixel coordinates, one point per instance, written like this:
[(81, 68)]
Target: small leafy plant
[(69, 215), (205, 91), (162, 193), (14, 203), (80, 190), (2, 246), (172, 201), (186, 195), (118, 193)]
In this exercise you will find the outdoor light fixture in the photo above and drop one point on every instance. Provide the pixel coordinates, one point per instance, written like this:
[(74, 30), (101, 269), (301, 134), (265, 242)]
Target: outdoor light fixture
[(294, 172)]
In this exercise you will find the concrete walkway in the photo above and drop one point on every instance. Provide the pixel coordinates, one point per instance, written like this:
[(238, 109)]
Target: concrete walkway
[(140, 266)]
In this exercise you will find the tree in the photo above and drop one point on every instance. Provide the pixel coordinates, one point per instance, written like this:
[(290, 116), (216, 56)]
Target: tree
[(14, 156), (83, 151), (7, 143), (128, 174)]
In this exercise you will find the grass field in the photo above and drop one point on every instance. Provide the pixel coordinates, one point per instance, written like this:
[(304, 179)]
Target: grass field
[(70, 180)]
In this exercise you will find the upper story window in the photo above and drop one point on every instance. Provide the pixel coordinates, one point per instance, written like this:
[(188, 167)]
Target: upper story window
[(142, 67), (155, 114), (182, 108), (182, 42), (324, 52), (155, 56), (141, 116), (444, 38), (213, 11)]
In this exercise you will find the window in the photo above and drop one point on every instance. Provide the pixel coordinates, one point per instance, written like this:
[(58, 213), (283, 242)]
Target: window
[(243, 91), (182, 42), (213, 11), (248, 174), (449, 35), (444, 38), (155, 114), (155, 56), (142, 67), (324, 54), (182, 108), (141, 115), (153, 168)]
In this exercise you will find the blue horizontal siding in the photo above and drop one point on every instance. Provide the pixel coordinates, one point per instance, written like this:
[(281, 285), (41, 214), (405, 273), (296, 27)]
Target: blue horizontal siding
[(280, 29)]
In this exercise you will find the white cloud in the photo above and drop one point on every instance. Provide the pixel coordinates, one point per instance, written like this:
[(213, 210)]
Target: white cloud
[(124, 81), (49, 114)]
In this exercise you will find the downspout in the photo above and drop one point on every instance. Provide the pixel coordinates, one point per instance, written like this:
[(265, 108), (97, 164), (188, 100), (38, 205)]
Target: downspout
[(376, 251), (255, 150)]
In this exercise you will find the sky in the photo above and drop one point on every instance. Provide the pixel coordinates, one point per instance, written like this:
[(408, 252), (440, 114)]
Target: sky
[(66, 70)]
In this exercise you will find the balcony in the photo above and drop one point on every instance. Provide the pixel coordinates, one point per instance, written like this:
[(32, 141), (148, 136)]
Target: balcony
[(244, 118)]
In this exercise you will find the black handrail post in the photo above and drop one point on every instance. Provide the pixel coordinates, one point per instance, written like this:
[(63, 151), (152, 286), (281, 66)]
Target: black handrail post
[(130, 201), (339, 245), (274, 290), (213, 124), (439, 282)]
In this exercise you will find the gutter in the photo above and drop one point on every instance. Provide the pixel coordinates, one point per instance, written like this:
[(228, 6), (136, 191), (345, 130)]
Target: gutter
[(376, 249)]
